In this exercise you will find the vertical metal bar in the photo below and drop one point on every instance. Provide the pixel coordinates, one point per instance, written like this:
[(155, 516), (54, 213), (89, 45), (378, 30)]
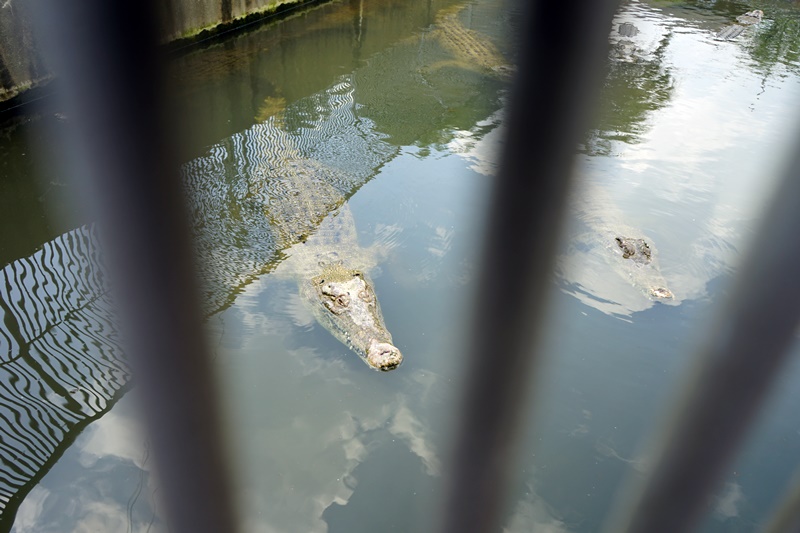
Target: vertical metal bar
[(742, 357), (559, 72), (105, 54), (786, 517)]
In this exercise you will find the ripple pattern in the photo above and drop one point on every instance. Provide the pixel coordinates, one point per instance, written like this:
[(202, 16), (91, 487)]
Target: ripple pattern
[(60, 359), (260, 190), (250, 196)]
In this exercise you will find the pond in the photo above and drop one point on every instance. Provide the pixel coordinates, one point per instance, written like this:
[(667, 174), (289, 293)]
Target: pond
[(375, 103)]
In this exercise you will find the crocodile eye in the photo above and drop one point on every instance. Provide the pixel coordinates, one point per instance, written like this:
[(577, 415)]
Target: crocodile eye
[(333, 308)]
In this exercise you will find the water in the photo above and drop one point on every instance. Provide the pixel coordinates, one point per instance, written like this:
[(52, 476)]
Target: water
[(689, 136)]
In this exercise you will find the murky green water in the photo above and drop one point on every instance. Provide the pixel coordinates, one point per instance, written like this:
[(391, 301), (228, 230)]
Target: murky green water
[(690, 134)]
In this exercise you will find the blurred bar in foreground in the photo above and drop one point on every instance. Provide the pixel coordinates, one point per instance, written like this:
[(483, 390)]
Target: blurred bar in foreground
[(741, 357), (106, 57), (560, 71), (787, 514)]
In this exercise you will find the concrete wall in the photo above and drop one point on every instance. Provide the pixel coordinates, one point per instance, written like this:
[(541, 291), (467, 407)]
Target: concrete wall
[(187, 18), (21, 64)]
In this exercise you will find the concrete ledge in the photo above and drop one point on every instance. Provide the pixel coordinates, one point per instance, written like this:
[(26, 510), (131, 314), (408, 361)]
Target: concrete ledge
[(185, 22), (24, 74)]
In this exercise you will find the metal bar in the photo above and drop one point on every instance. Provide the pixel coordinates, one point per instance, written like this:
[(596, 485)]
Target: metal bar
[(106, 56), (786, 517), (741, 359), (559, 72)]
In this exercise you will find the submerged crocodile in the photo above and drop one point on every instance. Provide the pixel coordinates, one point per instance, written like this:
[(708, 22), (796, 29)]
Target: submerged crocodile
[(751, 17), (640, 253), (731, 32), (316, 230), (470, 48), (630, 254), (611, 246)]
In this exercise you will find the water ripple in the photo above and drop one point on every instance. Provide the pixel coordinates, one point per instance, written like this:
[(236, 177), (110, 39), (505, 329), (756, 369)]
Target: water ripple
[(60, 361)]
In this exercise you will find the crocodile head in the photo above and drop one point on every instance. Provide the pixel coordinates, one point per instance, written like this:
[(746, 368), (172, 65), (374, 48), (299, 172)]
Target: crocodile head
[(343, 301), (645, 271), (751, 17)]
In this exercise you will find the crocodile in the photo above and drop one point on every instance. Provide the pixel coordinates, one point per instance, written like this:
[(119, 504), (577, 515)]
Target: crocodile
[(729, 33), (641, 254), (751, 17), (471, 49), (316, 231), (611, 246)]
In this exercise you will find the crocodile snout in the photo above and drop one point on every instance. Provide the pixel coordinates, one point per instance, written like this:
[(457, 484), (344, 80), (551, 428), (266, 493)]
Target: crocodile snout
[(661, 292), (383, 356)]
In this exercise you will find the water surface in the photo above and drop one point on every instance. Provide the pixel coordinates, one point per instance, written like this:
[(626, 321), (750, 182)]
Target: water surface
[(689, 135)]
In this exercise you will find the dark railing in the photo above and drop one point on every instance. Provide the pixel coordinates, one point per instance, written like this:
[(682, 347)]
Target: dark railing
[(558, 74), (109, 68), (107, 58)]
